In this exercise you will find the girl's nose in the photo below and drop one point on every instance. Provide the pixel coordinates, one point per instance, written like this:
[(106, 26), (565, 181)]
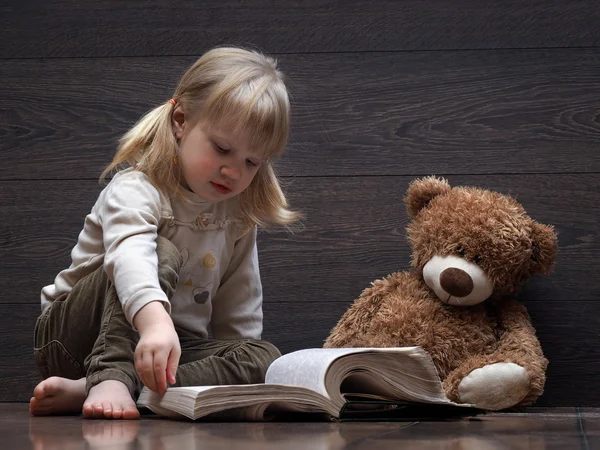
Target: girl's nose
[(231, 172)]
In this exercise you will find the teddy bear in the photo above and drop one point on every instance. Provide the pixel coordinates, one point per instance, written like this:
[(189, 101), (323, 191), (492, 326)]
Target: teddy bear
[(472, 250)]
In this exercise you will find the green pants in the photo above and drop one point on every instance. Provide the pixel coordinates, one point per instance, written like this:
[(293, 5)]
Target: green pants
[(86, 334)]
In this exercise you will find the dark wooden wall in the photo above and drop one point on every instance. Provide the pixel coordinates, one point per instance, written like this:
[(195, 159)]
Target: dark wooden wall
[(502, 94)]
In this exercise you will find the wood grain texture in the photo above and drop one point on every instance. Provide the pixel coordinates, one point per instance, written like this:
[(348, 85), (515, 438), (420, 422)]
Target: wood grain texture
[(525, 111), (567, 331), (151, 27), (354, 233), (510, 104)]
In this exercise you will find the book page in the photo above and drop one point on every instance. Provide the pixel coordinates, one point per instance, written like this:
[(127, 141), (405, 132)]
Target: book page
[(305, 368), (308, 367), (245, 401), (393, 377), (405, 373)]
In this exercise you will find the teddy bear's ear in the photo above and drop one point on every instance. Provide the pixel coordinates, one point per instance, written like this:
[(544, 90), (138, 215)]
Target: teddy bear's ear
[(544, 247), (422, 191)]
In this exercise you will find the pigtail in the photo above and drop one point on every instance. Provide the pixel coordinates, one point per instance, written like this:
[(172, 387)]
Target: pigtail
[(149, 146)]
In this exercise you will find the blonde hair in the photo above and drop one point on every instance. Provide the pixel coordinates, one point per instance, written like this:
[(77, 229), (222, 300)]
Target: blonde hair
[(228, 85)]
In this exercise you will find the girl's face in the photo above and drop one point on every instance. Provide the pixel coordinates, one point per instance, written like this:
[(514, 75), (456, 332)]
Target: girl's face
[(215, 164)]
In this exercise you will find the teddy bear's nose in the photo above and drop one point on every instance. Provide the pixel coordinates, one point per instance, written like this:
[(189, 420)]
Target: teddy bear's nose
[(456, 282)]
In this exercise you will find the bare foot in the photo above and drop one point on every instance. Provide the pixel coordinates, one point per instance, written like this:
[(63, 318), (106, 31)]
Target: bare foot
[(57, 395), (110, 400)]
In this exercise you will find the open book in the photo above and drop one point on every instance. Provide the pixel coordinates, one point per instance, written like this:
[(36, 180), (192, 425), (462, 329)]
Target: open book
[(331, 382)]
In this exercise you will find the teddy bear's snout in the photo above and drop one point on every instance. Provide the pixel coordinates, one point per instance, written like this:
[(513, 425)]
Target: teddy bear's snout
[(456, 282)]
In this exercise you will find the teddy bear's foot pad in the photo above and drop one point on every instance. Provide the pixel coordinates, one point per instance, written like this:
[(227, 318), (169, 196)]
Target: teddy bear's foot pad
[(495, 386)]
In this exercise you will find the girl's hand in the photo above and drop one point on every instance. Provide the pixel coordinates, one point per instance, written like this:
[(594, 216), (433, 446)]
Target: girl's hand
[(158, 350)]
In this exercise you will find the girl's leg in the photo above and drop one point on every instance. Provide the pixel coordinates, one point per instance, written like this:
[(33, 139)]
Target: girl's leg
[(87, 335), (207, 362)]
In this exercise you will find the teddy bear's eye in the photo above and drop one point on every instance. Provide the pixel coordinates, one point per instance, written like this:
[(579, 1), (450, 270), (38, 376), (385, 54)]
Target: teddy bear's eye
[(461, 251), (477, 259)]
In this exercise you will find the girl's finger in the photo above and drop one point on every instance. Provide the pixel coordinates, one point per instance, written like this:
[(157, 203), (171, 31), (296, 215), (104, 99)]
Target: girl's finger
[(159, 371), (172, 364), (145, 373)]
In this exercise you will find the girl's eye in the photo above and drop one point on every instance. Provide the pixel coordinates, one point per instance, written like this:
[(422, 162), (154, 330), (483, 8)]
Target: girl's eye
[(221, 149), (252, 163)]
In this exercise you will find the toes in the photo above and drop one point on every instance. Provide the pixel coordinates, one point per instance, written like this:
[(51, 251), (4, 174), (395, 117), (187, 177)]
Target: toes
[(110, 399), (98, 410), (107, 410), (40, 390), (117, 413), (49, 387), (130, 413), (33, 405), (88, 410), (39, 408)]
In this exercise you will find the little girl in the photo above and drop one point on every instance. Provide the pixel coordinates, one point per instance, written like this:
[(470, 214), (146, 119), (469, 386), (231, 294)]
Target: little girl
[(169, 249)]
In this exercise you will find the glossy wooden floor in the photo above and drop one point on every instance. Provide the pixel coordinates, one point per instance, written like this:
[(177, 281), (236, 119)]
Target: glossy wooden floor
[(562, 428)]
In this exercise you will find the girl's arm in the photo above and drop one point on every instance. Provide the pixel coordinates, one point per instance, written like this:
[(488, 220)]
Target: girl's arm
[(237, 307), (129, 215)]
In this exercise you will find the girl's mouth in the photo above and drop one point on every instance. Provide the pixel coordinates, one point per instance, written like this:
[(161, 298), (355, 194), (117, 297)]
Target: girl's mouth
[(220, 188)]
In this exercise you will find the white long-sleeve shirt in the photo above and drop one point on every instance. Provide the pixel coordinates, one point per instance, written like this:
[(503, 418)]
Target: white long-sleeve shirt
[(219, 281)]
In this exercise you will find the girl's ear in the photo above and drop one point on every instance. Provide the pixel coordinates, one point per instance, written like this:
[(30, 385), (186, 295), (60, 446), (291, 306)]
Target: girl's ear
[(422, 191), (178, 121)]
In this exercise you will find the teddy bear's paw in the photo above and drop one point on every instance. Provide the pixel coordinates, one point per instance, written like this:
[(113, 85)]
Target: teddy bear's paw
[(495, 386)]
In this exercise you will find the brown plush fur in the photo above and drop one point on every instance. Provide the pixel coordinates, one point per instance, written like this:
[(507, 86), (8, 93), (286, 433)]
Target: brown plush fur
[(480, 226)]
